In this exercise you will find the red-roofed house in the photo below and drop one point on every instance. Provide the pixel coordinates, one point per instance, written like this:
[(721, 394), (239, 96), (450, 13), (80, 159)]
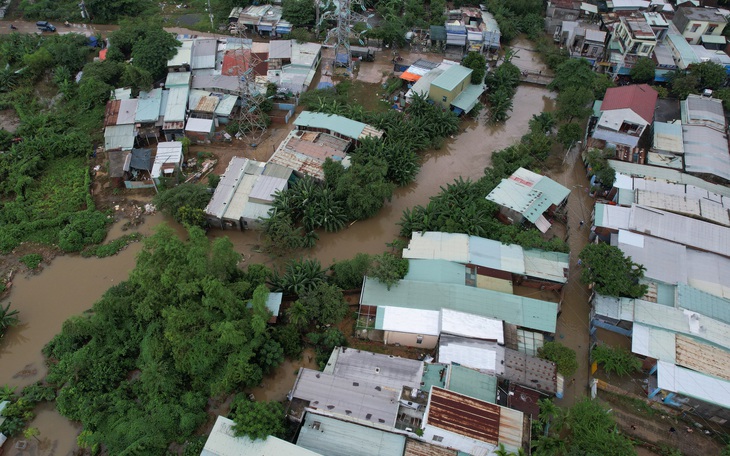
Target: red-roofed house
[(235, 62), (626, 112)]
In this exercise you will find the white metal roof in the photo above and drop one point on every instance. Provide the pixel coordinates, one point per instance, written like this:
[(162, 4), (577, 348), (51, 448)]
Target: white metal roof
[(484, 356), (706, 151), (613, 217), (223, 442), (239, 201), (694, 384), (266, 186), (203, 55), (437, 245), (414, 321), (167, 152), (199, 125), (469, 325), (663, 260), (226, 187), (177, 103), (666, 174), (184, 54), (127, 111)]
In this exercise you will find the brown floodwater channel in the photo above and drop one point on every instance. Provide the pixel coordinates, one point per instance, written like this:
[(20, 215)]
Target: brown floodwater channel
[(72, 284)]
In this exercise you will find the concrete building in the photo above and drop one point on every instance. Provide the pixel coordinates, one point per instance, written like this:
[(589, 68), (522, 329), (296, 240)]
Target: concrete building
[(528, 196), (633, 37), (694, 22), (445, 88)]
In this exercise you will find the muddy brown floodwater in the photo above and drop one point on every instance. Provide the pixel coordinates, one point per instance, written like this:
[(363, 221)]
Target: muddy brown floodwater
[(72, 284)]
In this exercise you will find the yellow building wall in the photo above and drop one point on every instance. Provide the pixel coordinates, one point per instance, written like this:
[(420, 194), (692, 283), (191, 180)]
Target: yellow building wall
[(495, 284), (410, 339), (437, 93)]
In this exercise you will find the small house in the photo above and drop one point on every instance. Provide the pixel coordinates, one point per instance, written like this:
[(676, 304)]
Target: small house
[(694, 22), (168, 160), (528, 196), (200, 131), (453, 89), (183, 58)]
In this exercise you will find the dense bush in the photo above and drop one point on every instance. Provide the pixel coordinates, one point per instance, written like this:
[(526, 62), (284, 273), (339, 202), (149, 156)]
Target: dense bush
[(84, 228)]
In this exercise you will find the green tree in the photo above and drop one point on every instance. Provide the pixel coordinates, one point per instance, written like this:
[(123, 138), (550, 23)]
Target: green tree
[(436, 10), (84, 228), (325, 303), (348, 274), (105, 11), (592, 430), (601, 83), (569, 133), (257, 420), (611, 272), (543, 122), (146, 43), (561, 355), (616, 360), (364, 187), (478, 64), (573, 73), (298, 314), (643, 70), (187, 196), (574, 103), (299, 12), (682, 84), (299, 277), (710, 75), (32, 433), (388, 268)]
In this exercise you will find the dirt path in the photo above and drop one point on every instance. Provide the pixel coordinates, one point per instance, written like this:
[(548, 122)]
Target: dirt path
[(655, 430)]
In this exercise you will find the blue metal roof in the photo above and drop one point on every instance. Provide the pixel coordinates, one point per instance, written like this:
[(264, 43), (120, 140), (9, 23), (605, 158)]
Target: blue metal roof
[(330, 436), (148, 106)]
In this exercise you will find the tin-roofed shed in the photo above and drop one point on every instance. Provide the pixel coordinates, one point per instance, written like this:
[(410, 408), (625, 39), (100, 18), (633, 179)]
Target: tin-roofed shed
[(226, 188), (668, 138), (119, 137), (148, 106), (178, 79), (184, 55), (204, 51), (331, 436), (177, 104), (339, 125), (222, 441)]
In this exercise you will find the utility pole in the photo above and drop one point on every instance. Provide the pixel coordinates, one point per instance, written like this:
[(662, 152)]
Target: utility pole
[(210, 14)]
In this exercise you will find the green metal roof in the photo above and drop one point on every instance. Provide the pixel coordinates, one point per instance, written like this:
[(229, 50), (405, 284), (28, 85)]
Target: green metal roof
[(684, 49), (450, 78), (335, 437), (691, 298), (412, 294), (468, 98), (473, 383), (714, 39), (597, 108), (440, 271), (438, 33), (342, 125)]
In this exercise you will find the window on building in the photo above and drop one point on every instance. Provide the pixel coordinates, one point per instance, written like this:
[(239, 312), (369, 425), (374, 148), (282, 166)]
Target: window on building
[(419, 339), (694, 28), (645, 49), (711, 29), (438, 438), (443, 99)]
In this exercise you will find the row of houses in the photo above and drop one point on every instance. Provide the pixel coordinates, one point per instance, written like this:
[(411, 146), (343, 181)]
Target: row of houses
[(467, 29), (689, 136), (247, 189), (624, 31)]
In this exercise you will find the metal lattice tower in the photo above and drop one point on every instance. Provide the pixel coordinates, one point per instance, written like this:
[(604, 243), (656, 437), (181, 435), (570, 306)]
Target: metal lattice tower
[(251, 121), (342, 12)]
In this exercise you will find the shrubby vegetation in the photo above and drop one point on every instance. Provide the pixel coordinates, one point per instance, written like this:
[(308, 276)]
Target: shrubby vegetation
[(111, 248), (599, 167), (185, 203), (8, 318), (20, 410), (616, 360), (518, 16), (561, 355), (502, 83), (586, 429), (697, 77), (611, 272), (377, 167)]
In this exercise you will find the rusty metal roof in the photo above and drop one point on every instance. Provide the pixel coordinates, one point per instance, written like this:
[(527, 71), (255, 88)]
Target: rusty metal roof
[(112, 112), (475, 419), (207, 104), (464, 415), (416, 448)]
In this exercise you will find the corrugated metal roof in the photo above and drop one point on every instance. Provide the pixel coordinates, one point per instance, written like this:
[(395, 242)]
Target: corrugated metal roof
[(518, 310), (177, 104), (708, 272), (663, 260), (226, 105), (178, 79), (274, 170), (423, 85), (702, 208), (122, 94), (469, 325), (704, 358), (681, 321), (280, 49), (440, 271), (119, 137), (204, 51), (239, 201), (615, 137), (670, 175), (265, 187), (223, 442), (668, 137), (469, 97), (216, 82), (551, 266), (528, 193), (148, 107), (614, 308), (474, 418), (330, 436), (452, 77), (167, 153), (683, 48), (477, 354), (200, 125), (184, 54), (338, 124), (706, 151), (714, 39), (693, 384), (414, 321), (417, 448), (255, 211), (438, 245), (472, 383), (111, 112), (206, 104), (696, 300), (653, 342), (226, 187), (127, 111)]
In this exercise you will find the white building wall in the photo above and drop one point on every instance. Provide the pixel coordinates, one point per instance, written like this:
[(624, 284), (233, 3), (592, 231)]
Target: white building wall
[(456, 441)]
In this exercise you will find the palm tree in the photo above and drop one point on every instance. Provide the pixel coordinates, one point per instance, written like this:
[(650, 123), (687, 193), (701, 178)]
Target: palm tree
[(8, 318), (298, 314)]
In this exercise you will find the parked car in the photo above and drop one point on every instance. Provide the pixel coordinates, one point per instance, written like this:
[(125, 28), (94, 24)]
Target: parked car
[(45, 26)]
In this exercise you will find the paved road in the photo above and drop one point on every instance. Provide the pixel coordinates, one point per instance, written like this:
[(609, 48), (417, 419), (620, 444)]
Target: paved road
[(87, 29)]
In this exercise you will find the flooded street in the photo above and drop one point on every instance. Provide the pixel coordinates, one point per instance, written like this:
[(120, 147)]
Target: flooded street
[(72, 284)]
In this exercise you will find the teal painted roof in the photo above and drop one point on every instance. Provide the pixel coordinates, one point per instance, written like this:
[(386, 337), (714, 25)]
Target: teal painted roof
[(691, 298), (473, 383), (335, 437), (148, 106), (440, 271), (452, 77), (342, 125), (684, 49), (432, 376), (412, 294), (468, 98), (528, 193), (597, 108), (177, 79)]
